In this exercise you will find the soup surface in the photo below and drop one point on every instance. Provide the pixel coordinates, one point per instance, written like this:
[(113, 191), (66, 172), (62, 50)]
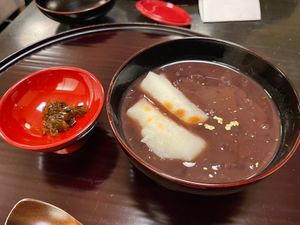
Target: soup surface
[(242, 132)]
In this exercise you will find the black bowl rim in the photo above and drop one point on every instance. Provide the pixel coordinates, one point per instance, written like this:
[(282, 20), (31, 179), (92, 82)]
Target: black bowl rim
[(199, 185), (71, 12)]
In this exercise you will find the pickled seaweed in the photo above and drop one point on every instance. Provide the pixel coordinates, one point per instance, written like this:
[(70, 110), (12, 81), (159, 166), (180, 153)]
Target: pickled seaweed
[(59, 117)]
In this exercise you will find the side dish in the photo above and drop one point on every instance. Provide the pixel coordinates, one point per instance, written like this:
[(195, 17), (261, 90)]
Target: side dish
[(59, 117)]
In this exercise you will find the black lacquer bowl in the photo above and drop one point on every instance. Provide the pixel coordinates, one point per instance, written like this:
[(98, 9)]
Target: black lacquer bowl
[(75, 11), (219, 52)]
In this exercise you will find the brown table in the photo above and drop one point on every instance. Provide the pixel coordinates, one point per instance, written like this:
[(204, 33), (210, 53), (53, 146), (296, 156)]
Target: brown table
[(97, 184)]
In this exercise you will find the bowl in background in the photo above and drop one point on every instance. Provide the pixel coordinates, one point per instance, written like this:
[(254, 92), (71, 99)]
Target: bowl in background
[(222, 53), (75, 11), (22, 105)]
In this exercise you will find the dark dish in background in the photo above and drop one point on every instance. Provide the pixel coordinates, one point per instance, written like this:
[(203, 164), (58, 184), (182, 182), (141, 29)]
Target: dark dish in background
[(225, 54), (75, 11)]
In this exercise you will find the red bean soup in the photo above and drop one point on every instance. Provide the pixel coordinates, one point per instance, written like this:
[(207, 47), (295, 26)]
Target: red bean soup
[(242, 132)]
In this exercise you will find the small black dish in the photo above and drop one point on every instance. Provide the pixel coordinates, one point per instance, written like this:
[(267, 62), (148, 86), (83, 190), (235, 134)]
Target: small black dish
[(219, 52), (75, 11)]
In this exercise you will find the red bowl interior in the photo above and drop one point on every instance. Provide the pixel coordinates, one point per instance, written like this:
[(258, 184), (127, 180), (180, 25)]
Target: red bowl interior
[(21, 106)]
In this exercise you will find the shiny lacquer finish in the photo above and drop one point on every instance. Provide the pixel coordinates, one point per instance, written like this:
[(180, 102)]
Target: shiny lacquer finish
[(75, 11), (225, 54), (164, 12), (97, 184), (35, 212), (22, 105)]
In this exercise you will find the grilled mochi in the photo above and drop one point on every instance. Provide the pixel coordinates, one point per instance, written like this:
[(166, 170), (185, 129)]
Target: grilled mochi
[(162, 135), (161, 90)]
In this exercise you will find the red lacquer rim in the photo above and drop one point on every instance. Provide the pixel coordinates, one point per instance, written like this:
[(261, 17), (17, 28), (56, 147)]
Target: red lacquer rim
[(68, 140)]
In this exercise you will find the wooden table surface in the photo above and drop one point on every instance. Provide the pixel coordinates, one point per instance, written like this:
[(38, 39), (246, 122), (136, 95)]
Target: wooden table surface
[(102, 187)]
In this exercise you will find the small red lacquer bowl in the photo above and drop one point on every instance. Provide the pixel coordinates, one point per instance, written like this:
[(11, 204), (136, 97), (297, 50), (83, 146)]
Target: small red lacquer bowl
[(21, 108), (164, 12)]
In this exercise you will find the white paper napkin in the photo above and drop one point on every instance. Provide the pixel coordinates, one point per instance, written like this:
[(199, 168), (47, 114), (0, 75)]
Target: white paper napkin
[(229, 10)]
